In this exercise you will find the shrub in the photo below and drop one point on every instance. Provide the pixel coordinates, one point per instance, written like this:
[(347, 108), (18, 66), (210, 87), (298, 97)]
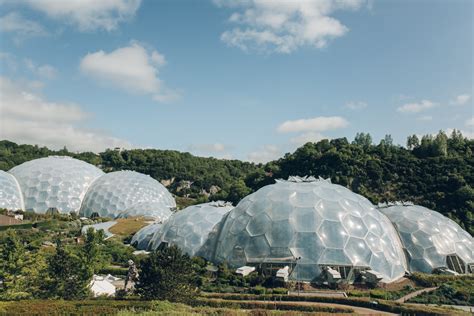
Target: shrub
[(280, 290)]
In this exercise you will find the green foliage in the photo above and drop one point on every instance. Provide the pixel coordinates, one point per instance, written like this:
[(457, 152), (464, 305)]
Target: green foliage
[(167, 275), (456, 292), (381, 293), (93, 257), (67, 275)]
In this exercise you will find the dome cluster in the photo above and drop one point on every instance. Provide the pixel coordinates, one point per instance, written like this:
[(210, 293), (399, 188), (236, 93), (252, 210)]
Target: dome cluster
[(308, 224), (313, 225), (71, 185)]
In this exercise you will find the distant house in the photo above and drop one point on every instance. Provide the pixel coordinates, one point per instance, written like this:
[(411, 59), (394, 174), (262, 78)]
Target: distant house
[(7, 220)]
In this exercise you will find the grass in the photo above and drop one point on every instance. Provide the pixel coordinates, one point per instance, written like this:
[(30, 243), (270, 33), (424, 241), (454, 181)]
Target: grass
[(128, 226), (382, 293), (383, 305)]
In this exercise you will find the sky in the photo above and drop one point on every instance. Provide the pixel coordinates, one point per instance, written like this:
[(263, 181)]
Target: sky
[(235, 79)]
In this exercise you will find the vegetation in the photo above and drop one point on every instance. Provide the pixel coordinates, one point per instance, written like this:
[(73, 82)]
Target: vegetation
[(382, 305), (382, 293), (452, 290), (167, 275), (128, 226)]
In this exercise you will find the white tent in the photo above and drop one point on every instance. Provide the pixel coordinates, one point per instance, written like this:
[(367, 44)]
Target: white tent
[(100, 286)]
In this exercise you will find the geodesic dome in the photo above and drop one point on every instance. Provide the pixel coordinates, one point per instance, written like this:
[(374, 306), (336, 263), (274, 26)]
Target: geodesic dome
[(10, 193), (142, 238), (116, 192), (151, 209), (321, 223), (55, 182), (430, 239), (189, 229)]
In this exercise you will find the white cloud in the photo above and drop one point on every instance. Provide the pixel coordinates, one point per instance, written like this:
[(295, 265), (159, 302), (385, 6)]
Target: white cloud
[(467, 134), (304, 138), (44, 71), (416, 107), (470, 122), (461, 99), (283, 26), (86, 15), (14, 22), (26, 117), (133, 68), (213, 148), (216, 150), (265, 154), (356, 105), (316, 124), (425, 118)]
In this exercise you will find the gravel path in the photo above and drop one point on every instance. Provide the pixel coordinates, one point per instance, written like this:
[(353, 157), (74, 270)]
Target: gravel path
[(405, 298)]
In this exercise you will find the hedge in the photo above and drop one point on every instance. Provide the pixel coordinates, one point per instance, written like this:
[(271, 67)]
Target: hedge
[(288, 306), (381, 305), (431, 280)]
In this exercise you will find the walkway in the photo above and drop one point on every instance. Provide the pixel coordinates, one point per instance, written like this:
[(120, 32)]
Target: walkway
[(405, 298)]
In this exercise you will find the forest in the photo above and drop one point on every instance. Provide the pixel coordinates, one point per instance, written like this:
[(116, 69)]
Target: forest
[(436, 171)]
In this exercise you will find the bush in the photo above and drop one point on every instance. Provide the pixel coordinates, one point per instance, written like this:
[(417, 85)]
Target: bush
[(167, 275), (280, 290), (258, 290)]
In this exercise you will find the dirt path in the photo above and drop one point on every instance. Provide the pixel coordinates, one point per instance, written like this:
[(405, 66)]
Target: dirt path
[(405, 298), (356, 309)]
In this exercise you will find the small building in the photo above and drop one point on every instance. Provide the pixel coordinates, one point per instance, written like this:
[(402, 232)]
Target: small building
[(7, 220), (101, 286), (283, 274), (245, 270), (371, 277)]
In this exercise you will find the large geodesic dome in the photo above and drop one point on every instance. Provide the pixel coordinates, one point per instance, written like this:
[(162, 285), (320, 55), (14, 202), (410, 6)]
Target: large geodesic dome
[(10, 193), (55, 182), (141, 239), (189, 229), (430, 239), (312, 224), (116, 192)]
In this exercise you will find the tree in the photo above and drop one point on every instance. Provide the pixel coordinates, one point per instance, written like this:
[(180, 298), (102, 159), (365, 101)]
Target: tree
[(12, 259), (93, 256), (167, 275), (363, 140), (67, 276), (20, 270), (413, 142)]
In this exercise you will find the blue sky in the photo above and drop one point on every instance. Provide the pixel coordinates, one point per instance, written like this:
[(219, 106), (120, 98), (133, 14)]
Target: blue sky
[(245, 79)]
